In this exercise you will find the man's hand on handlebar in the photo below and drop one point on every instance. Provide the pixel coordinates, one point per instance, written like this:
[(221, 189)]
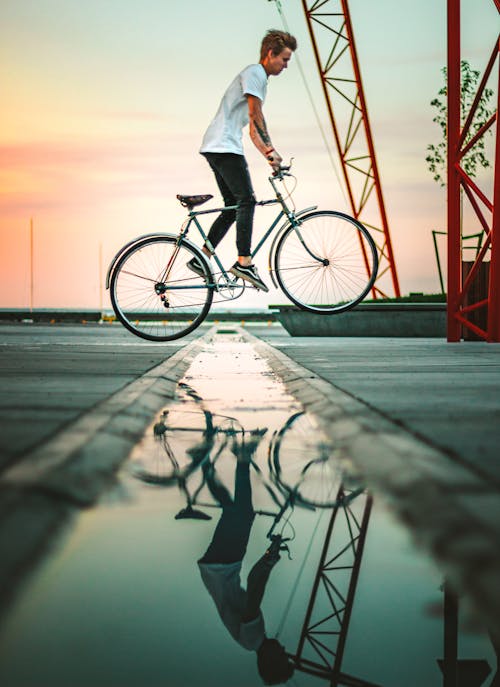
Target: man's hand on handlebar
[(275, 161), (279, 169)]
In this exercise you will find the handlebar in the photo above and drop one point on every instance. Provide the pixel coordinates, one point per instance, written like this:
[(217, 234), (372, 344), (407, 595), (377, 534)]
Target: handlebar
[(283, 171)]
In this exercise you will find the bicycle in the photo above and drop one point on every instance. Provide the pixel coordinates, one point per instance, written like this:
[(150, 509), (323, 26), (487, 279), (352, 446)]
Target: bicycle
[(192, 441), (324, 261), (310, 484)]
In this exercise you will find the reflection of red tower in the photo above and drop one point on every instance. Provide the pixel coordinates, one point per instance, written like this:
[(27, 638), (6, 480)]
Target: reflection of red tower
[(332, 39), (458, 293), (323, 637)]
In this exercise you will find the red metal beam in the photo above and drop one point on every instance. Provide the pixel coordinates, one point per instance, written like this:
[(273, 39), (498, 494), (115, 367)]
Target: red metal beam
[(494, 286), (453, 179), (332, 18), (371, 146), (460, 293)]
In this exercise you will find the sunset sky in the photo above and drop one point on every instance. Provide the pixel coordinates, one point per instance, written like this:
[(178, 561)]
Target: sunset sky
[(104, 104)]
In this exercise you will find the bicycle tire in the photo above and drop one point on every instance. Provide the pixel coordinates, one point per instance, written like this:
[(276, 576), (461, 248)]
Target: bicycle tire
[(303, 463), (326, 263), (151, 306), (183, 441)]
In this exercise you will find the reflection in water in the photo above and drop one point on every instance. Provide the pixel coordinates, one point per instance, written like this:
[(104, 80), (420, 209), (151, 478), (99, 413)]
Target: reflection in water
[(123, 603), (324, 632), (308, 479), (303, 471), (220, 568), (456, 671)]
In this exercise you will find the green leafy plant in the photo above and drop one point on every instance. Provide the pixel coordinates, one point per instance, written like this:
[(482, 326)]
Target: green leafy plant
[(436, 157)]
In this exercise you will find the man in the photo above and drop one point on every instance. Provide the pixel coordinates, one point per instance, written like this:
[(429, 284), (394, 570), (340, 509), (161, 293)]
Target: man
[(223, 148), (220, 568)]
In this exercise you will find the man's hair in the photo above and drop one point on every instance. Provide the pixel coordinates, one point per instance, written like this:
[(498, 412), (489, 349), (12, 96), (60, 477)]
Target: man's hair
[(277, 41), (273, 664)]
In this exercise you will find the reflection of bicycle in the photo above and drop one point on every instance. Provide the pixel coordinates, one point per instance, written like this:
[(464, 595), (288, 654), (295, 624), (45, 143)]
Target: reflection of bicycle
[(191, 444), (306, 466), (324, 262)]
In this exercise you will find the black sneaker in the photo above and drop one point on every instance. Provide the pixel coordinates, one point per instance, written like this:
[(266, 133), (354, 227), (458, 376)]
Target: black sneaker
[(248, 273), (195, 266)]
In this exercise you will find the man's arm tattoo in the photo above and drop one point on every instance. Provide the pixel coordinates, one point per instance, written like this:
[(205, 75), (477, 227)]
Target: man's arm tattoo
[(262, 131)]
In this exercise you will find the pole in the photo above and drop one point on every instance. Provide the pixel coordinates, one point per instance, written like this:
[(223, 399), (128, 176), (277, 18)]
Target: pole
[(450, 663), (494, 284), (31, 266), (371, 148), (100, 279), (453, 219)]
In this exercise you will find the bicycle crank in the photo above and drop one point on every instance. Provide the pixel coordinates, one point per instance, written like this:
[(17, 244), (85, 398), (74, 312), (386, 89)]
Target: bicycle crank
[(230, 289)]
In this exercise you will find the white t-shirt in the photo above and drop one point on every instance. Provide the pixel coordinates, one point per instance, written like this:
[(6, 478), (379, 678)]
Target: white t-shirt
[(224, 135), (224, 585)]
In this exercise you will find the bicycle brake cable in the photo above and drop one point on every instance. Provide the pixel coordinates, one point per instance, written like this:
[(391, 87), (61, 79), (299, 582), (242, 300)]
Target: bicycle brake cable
[(289, 194), (289, 524)]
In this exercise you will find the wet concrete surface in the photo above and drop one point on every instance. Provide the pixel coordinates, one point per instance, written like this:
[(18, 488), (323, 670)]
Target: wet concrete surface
[(448, 394), (434, 474), (121, 601), (51, 375)]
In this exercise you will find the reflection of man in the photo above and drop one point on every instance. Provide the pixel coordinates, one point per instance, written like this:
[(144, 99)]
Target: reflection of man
[(220, 569)]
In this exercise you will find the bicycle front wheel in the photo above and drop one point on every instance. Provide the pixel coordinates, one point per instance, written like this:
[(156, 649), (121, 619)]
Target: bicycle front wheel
[(304, 462), (153, 292), (326, 263)]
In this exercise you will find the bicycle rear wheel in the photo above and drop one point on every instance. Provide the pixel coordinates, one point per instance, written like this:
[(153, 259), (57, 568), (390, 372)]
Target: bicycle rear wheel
[(153, 292), (327, 263)]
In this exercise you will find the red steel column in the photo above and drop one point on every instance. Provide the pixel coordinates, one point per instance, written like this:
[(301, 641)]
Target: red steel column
[(494, 285), (321, 13), (453, 218), (329, 107), (371, 147)]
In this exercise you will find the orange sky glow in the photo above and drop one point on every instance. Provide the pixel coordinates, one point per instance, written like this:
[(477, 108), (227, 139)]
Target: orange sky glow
[(104, 107)]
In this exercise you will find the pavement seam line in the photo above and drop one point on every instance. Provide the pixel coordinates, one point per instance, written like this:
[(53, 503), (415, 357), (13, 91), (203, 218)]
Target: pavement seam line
[(139, 394)]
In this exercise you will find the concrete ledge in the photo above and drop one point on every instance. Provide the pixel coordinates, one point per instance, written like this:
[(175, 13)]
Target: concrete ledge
[(49, 315), (368, 319), (58, 316)]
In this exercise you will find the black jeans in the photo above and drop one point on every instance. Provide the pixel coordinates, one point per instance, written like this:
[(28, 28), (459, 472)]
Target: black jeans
[(230, 539), (235, 185)]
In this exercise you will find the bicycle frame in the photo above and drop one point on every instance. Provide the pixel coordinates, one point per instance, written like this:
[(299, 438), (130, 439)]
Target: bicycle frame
[(192, 218)]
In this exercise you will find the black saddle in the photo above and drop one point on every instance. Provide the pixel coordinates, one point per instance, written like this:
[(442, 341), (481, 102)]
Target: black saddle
[(193, 201)]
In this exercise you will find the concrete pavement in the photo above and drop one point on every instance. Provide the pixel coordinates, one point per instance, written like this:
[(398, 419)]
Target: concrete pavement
[(419, 420), (50, 375), (447, 394)]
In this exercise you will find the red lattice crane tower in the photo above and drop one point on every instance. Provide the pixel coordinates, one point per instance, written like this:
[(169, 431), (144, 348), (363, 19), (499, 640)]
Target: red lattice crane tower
[(332, 38), (461, 297)]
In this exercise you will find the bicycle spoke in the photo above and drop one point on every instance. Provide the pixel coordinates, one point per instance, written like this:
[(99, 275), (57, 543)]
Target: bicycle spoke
[(139, 276)]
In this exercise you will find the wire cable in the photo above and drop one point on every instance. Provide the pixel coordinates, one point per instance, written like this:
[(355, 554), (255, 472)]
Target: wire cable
[(289, 193), (299, 576)]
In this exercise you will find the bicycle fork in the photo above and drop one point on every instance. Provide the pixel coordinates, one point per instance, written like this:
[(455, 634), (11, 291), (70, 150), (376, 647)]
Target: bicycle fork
[(161, 284), (324, 261)]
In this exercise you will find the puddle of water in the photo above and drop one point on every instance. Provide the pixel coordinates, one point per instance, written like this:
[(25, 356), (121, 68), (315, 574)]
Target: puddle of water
[(124, 602)]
